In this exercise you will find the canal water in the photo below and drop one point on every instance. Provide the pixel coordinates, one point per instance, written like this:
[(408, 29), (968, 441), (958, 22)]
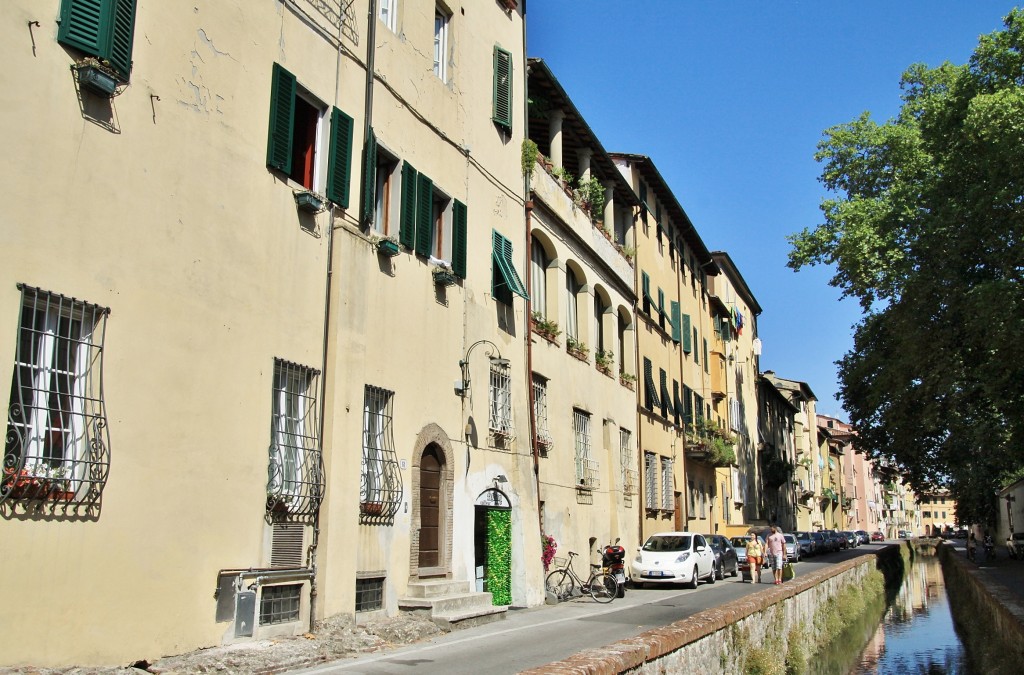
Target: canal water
[(909, 632)]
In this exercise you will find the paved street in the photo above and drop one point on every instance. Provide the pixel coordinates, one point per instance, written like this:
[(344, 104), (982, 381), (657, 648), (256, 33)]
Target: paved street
[(533, 637)]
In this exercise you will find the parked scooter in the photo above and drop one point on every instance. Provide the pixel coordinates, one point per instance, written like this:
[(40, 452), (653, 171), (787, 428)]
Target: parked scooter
[(613, 557)]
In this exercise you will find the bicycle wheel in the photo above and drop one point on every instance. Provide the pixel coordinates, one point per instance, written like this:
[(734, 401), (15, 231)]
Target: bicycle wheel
[(603, 587), (560, 583)]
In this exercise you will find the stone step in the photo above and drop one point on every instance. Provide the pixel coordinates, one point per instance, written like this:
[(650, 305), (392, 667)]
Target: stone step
[(435, 588), (453, 603)]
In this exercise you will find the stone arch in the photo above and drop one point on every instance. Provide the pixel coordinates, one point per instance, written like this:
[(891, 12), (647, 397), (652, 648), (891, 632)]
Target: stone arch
[(434, 436)]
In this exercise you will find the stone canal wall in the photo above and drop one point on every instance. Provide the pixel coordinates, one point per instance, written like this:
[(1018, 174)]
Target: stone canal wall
[(988, 616), (764, 632)]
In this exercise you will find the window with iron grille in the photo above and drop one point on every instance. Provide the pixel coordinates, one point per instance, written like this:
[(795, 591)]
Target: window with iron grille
[(629, 474), (280, 604), (369, 594), (667, 502), (295, 482), (586, 468), (540, 412), (380, 487), (500, 417), (56, 447), (650, 481)]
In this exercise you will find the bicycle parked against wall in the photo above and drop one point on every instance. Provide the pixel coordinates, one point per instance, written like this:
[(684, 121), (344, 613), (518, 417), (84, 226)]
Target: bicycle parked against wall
[(563, 582)]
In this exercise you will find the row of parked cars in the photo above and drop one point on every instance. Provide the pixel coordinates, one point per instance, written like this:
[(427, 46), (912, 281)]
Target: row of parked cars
[(689, 558)]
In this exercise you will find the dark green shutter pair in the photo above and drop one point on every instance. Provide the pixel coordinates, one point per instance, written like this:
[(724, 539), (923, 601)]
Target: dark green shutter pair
[(687, 405), (101, 28), (676, 331), (502, 88), (416, 220), (283, 87), (645, 280)]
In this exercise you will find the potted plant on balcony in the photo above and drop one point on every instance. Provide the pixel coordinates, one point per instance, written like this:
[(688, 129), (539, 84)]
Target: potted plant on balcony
[(544, 327), (576, 348), (604, 360), (388, 246), (309, 201), (371, 508), (628, 380)]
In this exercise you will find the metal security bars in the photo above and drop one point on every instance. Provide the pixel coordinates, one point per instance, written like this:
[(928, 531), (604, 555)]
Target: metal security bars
[(586, 468), (650, 481), (630, 477), (369, 594), (540, 414), (280, 604), (380, 486), (667, 502), (500, 418), (295, 474), (56, 450)]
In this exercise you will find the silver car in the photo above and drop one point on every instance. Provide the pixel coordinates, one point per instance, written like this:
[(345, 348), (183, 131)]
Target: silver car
[(792, 548)]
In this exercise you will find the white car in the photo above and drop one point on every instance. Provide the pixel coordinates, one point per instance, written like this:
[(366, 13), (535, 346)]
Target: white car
[(674, 558)]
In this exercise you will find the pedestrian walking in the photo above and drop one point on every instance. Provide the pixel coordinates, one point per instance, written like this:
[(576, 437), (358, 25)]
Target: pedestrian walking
[(754, 556), (777, 551), (972, 544)]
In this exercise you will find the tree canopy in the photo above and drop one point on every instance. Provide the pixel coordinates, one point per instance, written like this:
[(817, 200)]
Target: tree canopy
[(924, 227)]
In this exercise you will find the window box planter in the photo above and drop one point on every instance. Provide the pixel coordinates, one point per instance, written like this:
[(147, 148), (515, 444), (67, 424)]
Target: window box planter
[(97, 81), (309, 201), (388, 247), (628, 381), (444, 277)]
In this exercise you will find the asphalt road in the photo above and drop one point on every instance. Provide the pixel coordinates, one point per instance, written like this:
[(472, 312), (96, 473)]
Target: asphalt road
[(533, 637)]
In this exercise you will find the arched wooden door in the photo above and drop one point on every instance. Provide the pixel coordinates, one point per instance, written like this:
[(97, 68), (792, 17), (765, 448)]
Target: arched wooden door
[(431, 466)]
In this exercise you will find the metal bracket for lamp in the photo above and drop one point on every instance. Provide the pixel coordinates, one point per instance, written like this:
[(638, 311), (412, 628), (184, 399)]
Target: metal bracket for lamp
[(462, 386)]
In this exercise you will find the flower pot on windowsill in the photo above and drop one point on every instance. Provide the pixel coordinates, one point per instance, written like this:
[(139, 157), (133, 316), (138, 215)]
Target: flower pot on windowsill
[(309, 201), (371, 508), (388, 247), (96, 78), (444, 277)]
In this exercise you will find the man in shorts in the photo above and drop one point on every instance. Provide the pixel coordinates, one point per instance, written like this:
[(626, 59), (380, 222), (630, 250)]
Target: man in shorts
[(776, 546)]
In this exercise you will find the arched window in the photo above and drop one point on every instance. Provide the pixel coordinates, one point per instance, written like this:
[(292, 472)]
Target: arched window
[(539, 262), (572, 287)]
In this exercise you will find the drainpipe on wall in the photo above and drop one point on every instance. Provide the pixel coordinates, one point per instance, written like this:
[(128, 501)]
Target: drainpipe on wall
[(529, 284)]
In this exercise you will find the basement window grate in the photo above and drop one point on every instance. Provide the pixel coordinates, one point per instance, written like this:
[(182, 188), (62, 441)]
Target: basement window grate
[(280, 604), (369, 594)]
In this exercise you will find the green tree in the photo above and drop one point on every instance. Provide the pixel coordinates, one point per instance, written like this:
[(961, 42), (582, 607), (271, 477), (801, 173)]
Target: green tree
[(926, 230)]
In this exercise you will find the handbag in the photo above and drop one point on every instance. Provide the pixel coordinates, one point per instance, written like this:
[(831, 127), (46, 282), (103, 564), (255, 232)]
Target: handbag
[(787, 571)]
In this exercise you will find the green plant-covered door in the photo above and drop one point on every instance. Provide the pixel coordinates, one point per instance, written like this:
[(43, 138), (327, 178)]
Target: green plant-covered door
[(493, 545)]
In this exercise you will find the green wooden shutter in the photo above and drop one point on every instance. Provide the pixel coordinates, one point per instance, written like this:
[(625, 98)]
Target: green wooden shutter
[(459, 239), (643, 202), (339, 166), (370, 180), (122, 32), (687, 346), (676, 337), (502, 88), (282, 118), (81, 25), (661, 305), (424, 214), (650, 397), (666, 398), (407, 224), (696, 347), (645, 295), (706, 369)]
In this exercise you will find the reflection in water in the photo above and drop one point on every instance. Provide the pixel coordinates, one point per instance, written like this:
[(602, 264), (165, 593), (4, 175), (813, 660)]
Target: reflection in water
[(916, 634)]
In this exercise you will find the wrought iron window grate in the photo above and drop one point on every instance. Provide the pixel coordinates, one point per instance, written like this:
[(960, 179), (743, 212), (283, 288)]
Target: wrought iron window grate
[(540, 412), (666, 484), (586, 468), (369, 594), (500, 419), (280, 604), (56, 450), (650, 481), (295, 482), (630, 477), (380, 488)]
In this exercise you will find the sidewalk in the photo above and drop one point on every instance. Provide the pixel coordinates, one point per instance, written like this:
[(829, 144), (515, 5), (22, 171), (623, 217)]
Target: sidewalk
[(1003, 572)]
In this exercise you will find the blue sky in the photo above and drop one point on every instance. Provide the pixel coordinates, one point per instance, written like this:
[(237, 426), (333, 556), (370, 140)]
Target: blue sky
[(730, 99)]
